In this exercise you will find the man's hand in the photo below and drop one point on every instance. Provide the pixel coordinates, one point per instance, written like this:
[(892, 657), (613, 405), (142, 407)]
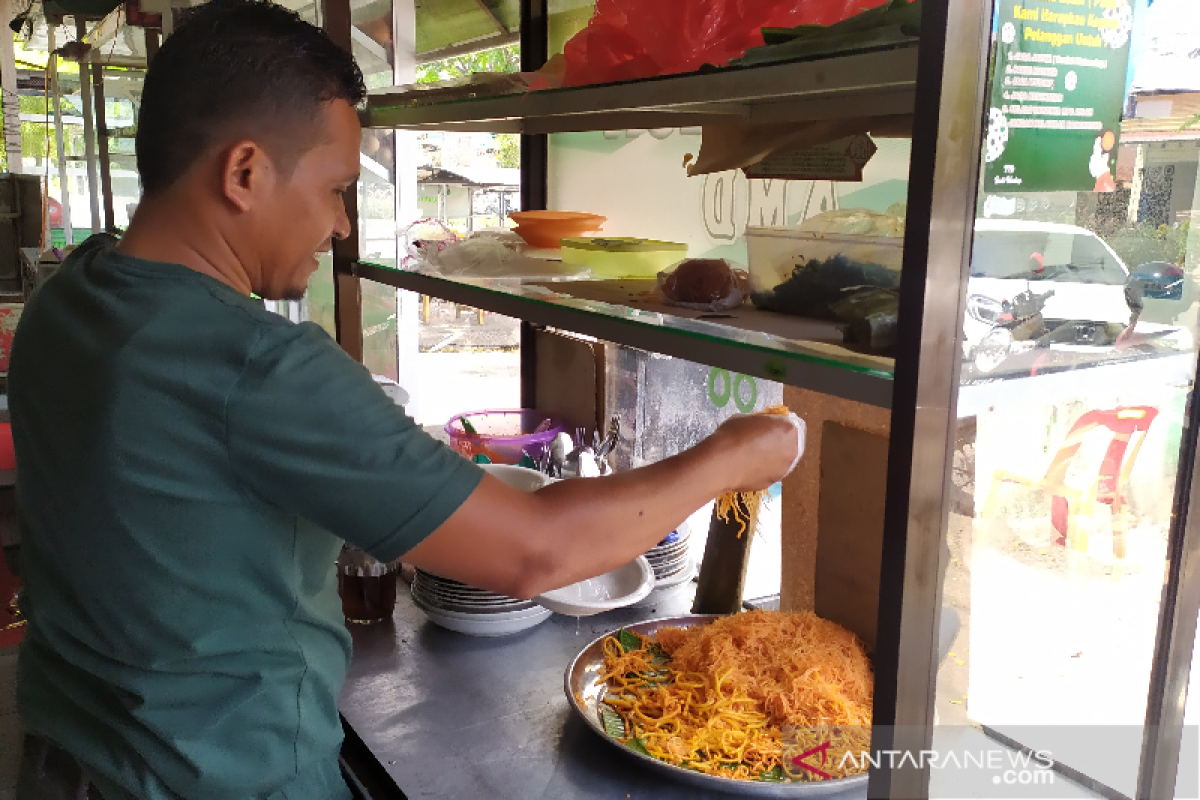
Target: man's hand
[(759, 450)]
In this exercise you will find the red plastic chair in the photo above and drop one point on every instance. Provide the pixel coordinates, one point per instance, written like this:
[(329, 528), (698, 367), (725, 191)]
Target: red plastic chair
[(8, 456), (12, 626), (1129, 425)]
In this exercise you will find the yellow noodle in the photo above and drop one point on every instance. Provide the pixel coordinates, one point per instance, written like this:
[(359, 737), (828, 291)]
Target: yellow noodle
[(728, 504), (730, 686)]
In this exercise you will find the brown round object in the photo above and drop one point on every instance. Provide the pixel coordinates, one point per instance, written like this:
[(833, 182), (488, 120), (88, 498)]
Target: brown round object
[(700, 280)]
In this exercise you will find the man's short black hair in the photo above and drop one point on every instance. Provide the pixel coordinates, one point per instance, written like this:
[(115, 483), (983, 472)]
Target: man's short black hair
[(238, 68)]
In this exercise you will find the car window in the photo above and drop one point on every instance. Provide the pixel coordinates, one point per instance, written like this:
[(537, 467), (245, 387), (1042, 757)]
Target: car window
[(1056, 256)]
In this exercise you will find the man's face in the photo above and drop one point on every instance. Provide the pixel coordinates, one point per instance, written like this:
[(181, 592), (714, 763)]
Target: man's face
[(307, 211)]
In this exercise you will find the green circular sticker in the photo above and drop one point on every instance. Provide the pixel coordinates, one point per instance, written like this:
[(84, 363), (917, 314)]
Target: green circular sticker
[(747, 406), (720, 400)]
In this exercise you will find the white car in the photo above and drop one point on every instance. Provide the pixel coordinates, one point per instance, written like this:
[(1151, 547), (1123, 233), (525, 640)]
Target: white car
[(1076, 278)]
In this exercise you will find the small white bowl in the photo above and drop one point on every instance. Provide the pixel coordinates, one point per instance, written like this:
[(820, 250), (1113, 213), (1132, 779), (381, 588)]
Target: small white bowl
[(620, 587), (523, 478)]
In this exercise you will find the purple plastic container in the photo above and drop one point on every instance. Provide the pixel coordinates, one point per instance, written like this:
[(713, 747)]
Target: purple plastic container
[(502, 435)]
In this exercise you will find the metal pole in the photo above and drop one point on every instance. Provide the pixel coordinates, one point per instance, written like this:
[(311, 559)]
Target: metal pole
[(89, 134), (943, 177), (1175, 641), (534, 176), (407, 209), (12, 111), (347, 292), (64, 180), (106, 191), (152, 44)]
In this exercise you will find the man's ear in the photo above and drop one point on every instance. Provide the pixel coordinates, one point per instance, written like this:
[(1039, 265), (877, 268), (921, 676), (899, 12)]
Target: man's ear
[(247, 172)]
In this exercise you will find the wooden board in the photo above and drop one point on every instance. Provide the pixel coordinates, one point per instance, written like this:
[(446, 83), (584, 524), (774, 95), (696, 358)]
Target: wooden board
[(568, 369), (802, 490), (850, 528)]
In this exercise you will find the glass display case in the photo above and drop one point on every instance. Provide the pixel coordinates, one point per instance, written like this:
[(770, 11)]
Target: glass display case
[(997, 501)]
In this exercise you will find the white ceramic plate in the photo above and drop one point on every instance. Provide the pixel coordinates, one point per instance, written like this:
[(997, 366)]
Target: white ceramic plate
[(501, 624), (620, 587)]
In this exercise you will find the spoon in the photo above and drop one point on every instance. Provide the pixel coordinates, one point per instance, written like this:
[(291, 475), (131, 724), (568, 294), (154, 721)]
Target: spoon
[(559, 448)]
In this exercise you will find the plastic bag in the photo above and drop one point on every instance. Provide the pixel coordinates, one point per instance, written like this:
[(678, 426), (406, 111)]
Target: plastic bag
[(814, 287), (704, 284), (424, 238), (859, 222), (627, 39), (496, 254), (871, 316)]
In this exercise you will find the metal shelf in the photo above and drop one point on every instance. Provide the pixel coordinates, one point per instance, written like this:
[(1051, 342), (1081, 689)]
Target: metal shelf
[(792, 350), (863, 84)]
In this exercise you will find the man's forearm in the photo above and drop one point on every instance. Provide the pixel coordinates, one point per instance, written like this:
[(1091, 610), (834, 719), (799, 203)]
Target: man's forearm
[(524, 544), (595, 524)]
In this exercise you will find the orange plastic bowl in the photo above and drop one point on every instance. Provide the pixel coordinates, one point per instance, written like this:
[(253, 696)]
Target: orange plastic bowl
[(548, 228)]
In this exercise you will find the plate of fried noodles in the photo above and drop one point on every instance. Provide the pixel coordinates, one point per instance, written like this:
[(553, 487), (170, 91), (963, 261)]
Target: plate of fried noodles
[(761, 703)]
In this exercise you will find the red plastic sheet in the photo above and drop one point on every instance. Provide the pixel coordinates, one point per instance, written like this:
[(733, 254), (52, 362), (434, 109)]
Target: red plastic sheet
[(628, 39)]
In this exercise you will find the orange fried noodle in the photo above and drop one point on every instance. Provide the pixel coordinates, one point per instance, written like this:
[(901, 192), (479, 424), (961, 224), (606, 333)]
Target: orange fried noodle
[(728, 505), (715, 697)]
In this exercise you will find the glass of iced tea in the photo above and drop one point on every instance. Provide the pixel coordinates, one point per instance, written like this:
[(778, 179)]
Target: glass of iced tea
[(367, 586)]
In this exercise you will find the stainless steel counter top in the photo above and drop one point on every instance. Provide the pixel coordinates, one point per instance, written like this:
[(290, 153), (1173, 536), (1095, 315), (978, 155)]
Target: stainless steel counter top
[(454, 716)]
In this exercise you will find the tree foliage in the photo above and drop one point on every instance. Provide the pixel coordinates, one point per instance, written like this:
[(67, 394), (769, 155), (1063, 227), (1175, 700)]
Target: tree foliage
[(497, 59), (508, 150)]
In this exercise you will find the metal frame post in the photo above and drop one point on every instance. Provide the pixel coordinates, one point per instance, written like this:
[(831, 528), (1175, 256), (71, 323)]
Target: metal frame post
[(943, 177), (347, 291), (535, 159), (1176, 638), (106, 190), (10, 101), (64, 179), (89, 133)]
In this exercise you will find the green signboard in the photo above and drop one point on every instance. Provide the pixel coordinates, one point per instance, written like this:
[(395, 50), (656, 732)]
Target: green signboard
[(1057, 91)]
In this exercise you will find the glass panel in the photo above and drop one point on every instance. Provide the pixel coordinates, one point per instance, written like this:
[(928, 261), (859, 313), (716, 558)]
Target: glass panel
[(786, 339), (1079, 355), (372, 43), (318, 301), (122, 92), (455, 27), (665, 406), (38, 143), (565, 19), (468, 360)]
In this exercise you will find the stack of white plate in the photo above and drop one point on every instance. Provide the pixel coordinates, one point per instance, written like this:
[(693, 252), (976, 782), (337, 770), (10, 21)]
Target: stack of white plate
[(672, 565), (476, 612)]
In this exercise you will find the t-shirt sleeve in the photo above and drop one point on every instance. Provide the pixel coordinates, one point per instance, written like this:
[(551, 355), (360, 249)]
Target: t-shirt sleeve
[(312, 434)]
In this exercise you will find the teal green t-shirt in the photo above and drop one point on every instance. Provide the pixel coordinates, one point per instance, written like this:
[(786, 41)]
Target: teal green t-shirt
[(188, 466)]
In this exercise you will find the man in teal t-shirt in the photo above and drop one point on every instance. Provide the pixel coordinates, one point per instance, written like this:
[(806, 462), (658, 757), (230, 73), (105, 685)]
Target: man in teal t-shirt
[(189, 464)]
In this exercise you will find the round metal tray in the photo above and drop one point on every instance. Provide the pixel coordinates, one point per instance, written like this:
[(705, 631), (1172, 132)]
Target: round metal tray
[(584, 692)]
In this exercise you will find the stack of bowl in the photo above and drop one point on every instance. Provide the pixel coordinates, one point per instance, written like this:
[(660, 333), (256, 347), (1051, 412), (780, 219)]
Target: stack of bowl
[(473, 611), (672, 565), (466, 609), (547, 229)]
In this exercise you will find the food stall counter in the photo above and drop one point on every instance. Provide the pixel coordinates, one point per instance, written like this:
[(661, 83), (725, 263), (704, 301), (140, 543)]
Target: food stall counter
[(455, 716)]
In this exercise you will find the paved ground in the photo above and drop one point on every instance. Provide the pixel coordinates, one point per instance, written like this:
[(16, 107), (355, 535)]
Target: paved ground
[(453, 328)]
